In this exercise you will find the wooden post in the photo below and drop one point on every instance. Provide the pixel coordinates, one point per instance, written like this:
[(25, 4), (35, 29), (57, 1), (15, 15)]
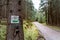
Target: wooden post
[(15, 21)]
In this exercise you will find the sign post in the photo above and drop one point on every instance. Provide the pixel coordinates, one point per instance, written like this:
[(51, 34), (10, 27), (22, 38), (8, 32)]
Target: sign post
[(15, 21)]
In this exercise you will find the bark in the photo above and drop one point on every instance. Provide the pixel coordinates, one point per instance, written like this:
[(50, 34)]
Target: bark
[(15, 31)]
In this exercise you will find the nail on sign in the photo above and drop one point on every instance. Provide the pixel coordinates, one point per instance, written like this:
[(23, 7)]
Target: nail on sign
[(14, 19)]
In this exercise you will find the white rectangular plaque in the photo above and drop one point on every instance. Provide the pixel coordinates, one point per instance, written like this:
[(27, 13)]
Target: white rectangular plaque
[(14, 19)]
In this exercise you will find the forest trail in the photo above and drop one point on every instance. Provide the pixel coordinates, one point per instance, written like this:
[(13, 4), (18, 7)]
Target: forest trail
[(47, 32)]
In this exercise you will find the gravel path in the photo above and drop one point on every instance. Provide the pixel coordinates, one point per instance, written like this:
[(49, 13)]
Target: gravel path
[(48, 33)]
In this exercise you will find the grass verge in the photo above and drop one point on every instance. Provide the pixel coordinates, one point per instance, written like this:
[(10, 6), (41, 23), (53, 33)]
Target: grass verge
[(52, 27), (30, 31)]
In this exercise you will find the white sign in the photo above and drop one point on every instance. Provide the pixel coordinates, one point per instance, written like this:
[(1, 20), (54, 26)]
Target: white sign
[(14, 19)]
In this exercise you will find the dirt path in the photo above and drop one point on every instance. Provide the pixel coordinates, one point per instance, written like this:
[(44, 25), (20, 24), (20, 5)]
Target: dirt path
[(48, 33)]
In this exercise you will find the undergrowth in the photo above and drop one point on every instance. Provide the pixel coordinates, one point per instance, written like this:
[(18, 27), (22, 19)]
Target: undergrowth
[(30, 31)]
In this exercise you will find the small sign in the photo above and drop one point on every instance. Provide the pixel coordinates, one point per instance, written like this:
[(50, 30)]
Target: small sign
[(14, 19)]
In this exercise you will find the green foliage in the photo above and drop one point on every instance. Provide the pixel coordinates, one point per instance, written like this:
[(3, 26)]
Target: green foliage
[(41, 17), (41, 13), (2, 32), (30, 31), (31, 11)]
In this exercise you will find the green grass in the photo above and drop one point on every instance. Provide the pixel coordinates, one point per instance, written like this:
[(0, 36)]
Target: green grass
[(2, 32), (30, 31), (52, 27)]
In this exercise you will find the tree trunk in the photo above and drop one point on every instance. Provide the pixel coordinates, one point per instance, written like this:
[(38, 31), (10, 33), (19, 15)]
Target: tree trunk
[(15, 30)]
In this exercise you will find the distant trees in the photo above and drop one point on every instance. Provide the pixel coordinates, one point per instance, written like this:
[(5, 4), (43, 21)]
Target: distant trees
[(0, 8), (30, 10), (43, 11), (3, 7), (54, 12)]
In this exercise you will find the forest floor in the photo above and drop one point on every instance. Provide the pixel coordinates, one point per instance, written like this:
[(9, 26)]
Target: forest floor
[(30, 31), (49, 33), (56, 28)]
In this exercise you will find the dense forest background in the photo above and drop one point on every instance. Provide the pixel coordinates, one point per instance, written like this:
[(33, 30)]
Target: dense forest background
[(48, 11)]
